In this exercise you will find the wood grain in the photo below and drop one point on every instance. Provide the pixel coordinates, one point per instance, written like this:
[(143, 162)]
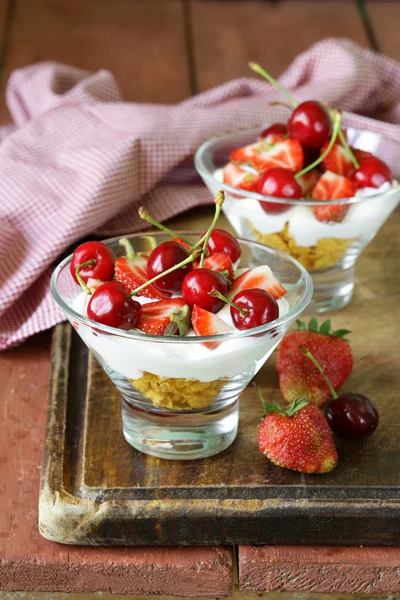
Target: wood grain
[(228, 34), (385, 17)]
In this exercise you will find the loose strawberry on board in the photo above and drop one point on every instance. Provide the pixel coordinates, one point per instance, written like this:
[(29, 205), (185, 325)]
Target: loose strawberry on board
[(331, 186), (285, 153), (166, 317), (259, 277), (337, 160), (239, 178), (298, 376), (132, 272), (297, 437), (219, 262), (207, 323)]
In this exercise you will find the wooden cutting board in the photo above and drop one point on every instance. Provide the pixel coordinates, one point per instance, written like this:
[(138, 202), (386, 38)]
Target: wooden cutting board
[(96, 489)]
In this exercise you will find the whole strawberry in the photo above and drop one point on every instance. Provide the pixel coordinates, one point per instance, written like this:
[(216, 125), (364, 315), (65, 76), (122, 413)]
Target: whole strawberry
[(298, 376), (297, 437)]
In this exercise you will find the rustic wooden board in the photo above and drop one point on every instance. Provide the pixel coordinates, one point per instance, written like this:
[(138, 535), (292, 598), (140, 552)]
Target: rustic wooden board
[(96, 489)]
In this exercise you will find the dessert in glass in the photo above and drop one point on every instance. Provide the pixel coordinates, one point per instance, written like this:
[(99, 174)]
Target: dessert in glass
[(310, 188), (181, 342)]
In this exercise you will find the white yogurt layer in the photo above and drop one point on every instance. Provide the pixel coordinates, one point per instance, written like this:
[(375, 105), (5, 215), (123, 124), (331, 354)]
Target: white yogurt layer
[(130, 357), (362, 219)]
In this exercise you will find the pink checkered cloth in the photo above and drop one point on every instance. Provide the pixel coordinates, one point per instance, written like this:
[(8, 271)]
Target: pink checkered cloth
[(79, 161)]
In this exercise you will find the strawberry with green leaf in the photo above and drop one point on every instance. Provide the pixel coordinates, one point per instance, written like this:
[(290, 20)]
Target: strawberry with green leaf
[(297, 437), (298, 376)]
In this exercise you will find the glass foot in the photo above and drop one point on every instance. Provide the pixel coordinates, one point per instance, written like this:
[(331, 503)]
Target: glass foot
[(333, 290)]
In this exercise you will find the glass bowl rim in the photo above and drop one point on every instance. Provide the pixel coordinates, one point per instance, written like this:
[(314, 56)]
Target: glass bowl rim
[(207, 175), (236, 334)]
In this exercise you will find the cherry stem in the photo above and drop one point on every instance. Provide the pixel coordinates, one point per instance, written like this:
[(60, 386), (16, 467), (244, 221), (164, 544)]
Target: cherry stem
[(279, 103), (187, 260), (336, 127), (128, 248), (143, 214), (203, 241), (320, 369), (260, 71), (217, 294), (348, 150), (88, 263)]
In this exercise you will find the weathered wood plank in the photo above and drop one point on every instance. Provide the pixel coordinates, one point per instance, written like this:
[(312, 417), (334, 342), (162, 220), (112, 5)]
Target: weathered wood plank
[(385, 17)]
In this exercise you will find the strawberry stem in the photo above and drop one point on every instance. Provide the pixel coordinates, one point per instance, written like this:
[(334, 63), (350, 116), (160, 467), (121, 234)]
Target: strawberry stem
[(217, 294), (88, 263), (320, 369), (187, 260), (336, 127), (144, 214), (203, 241), (260, 71), (128, 248)]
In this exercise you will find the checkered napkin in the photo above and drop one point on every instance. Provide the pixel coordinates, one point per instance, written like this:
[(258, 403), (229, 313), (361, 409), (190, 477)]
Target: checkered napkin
[(78, 160)]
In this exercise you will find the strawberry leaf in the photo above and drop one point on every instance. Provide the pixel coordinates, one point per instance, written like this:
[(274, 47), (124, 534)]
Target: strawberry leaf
[(293, 408), (340, 332), (301, 326), (313, 325), (325, 328)]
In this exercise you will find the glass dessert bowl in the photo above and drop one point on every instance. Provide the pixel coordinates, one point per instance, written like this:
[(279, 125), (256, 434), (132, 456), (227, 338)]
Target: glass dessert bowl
[(180, 395), (328, 249)]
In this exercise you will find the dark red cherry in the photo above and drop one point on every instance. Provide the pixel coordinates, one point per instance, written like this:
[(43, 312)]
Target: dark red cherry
[(274, 132), (280, 183), (223, 241), (197, 285), (164, 257), (372, 173), (310, 124), (260, 307), (103, 256), (111, 305), (352, 415)]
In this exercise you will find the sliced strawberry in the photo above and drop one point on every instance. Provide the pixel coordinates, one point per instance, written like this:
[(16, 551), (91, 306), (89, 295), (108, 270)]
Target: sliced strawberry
[(237, 177), (259, 277), (157, 316), (93, 284), (331, 186), (285, 153), (132, 273), (219, 262), (207, 323), (308, 181), (337, 160), (182, 243)]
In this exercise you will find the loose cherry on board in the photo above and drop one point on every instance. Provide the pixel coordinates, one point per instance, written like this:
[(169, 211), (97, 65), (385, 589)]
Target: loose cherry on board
[(103, 262), (197, 285), (257, 308), (163, 257), (372, 173), (280, 183), (223, 241), (310, 124), (274, 132), (352, 415), (111, 305)]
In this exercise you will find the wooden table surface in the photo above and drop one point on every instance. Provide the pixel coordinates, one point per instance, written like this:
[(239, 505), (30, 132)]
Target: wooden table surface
[(160, 51)]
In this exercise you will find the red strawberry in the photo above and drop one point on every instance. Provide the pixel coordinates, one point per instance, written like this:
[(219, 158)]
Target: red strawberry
[(298, 376), (259, 277), (237, 177), (166, 317), (207, 323), (132, 272), (285, 153), (297, 437), (219, 262), (337, 160), (331, 186), (182, 243), (307, 181)]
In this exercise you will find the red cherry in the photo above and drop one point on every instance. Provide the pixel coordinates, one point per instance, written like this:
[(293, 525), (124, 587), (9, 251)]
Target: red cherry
[(280, 183), (103, 256), (352, 415), (164, 257), (197, 285), (272, 133), (372, 173), (111, 305), (310, 124), (261, 308), (223, 241)]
